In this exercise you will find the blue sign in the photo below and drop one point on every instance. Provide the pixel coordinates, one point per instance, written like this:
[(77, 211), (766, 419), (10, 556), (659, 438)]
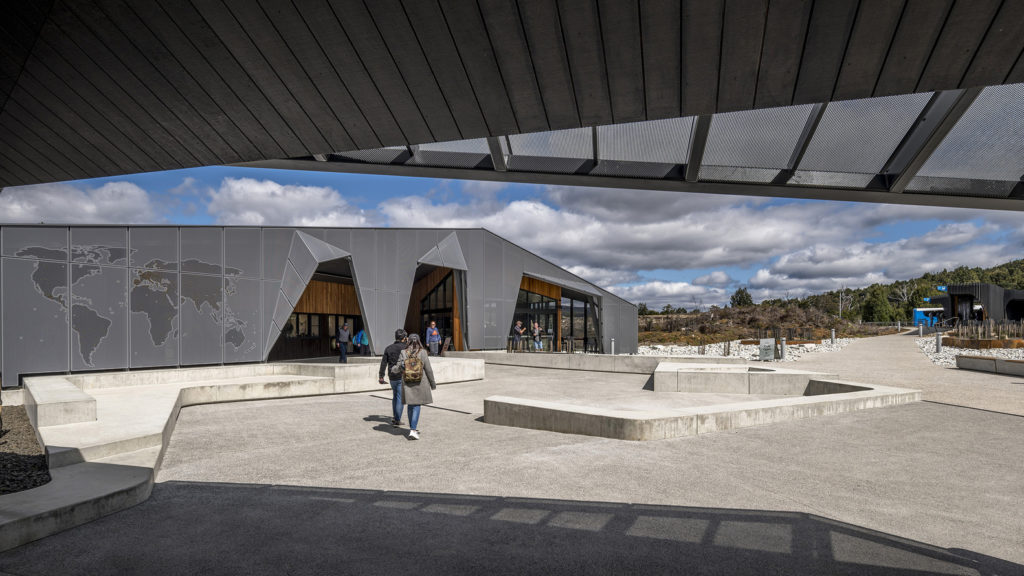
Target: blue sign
[(940, 288), (926, 299)]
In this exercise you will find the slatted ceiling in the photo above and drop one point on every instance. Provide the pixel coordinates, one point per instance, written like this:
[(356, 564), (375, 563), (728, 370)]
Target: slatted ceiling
[(831, 23), (72, 64), (742, 39), (152, 156), (784, 32), (391, 20), (237, 40), (962, 34), (178, 76), (64, 120), (79, 113), (91, 29), (701, 52), (323, 23), (331, 106), (915, 38), (475, 50), (620, 33), (106, 57), (13, 130), (210, 49), (504, 28), (873, 31), (181, 47), (581, 28), (1017, 73), (1001, 48), (373, 54), (28, 162), (439, 49), (547, 51), (262, 29), (20, 113), (660, 48)]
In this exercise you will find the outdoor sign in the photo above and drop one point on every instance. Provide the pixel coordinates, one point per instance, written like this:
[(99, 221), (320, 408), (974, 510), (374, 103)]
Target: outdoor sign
[(766, 349), (940, 288)]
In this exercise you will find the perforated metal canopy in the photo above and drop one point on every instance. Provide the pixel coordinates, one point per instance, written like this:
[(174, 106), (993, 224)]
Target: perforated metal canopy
[(957, 148)]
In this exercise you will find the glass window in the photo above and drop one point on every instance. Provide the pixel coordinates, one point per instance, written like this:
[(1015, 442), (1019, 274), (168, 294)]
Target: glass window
[(303, 324), (289, 328), (332, 325), (314, 325)]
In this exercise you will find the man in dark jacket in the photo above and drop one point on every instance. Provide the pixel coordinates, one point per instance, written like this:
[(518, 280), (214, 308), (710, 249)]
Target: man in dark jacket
[(387, 361)]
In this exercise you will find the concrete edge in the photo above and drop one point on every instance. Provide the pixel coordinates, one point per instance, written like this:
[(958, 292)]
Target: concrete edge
[(81, 491)]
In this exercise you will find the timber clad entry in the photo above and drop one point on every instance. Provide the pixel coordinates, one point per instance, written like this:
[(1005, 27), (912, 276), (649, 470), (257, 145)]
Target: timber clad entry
[(309, 332), (435, 298)]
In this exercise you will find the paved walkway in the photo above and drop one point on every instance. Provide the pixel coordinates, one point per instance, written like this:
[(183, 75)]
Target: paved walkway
[(897, 361), (325, 485)]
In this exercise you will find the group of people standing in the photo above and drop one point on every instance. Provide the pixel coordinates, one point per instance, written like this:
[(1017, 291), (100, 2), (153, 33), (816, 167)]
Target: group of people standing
[(519, 331), (360, 342)]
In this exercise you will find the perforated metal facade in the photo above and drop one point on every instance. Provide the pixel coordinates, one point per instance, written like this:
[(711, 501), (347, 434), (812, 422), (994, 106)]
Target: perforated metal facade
[(107, 298)]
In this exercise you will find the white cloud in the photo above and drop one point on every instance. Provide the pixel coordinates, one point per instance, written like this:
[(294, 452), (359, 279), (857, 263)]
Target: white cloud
[(111, 203), (265, 202), (679, 294), (604, 276), (716, 278)]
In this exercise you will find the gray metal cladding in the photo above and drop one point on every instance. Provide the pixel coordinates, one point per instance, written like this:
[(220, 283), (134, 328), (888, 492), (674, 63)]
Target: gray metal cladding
[(202, 307), (155, 248), (241, 326), (153, 329), (99, 246), (99, 317), (40, 243), (108, 297), (35, 317), (242, 252), (202, 250)]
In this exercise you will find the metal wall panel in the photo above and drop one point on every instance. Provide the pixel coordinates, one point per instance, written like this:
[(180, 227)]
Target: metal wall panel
[(242, 252), (364, 257), (99, 245), (385, 320), (494, 289), (302, 261), (99, 317), (340, 237), (387, 259), (270, 290), (153, 329), (473, 250), (155, 248), (202, 302), (42, 243), (241, 314), (36, 302), (405, 269), (293, 285), (202, 250), (276, 243), (368, 305)]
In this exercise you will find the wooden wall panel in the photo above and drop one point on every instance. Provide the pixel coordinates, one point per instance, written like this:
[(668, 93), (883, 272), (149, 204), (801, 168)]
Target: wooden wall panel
[(551, 291), (329, 298), (420, 289)]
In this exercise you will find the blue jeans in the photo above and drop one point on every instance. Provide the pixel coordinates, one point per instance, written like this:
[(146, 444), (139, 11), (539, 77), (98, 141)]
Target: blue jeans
[(396, 398), (343, 353), (536, 345), (414, 415)]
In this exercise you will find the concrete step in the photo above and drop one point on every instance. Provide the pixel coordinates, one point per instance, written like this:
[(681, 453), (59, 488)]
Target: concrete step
[(53, 400)]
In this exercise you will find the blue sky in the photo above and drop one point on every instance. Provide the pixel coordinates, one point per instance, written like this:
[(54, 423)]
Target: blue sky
[(661, 248)]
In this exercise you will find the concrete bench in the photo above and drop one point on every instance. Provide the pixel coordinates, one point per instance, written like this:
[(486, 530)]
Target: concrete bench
[(980, 363), (53, 400), (728, 379)]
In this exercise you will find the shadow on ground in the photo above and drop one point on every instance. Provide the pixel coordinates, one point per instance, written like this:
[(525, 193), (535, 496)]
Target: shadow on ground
[(198, 528)]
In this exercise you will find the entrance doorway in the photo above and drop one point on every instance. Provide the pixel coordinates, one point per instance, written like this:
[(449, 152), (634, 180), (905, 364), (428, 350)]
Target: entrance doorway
[(436, 298)]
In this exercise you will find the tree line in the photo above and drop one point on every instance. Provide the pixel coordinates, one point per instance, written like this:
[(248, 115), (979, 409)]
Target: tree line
[(878, 302)]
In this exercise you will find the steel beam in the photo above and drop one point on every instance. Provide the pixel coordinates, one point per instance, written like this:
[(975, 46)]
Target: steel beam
[(497, 155), (810, 126), (936, 120), (698, 140), (663, 184)]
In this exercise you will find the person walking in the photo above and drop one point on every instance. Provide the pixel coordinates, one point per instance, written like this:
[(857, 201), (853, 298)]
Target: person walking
[(413, 366), (342, 335), (357, 342), (537, 336), (433, 338), (364, 343), (387, 363)]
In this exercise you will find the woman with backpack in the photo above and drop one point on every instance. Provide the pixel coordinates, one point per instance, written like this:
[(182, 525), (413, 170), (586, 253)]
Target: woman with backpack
[(413, 365)]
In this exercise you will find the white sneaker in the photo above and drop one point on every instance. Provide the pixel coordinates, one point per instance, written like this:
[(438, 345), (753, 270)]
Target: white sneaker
[(414, 434)]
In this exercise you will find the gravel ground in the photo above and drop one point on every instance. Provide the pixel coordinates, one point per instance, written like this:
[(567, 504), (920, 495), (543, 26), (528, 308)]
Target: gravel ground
[(22, 462), (947, 357), (748, 352)]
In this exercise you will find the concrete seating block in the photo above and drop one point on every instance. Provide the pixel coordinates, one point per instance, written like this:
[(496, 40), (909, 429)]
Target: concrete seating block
[(981, 363), (1010, 367), (53, 400)]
